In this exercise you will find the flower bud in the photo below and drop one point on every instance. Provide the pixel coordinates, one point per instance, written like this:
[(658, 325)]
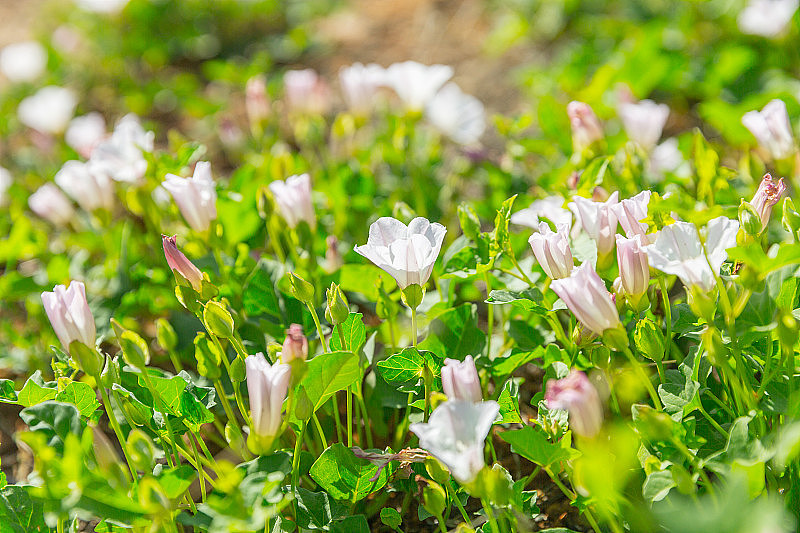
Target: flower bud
[(765, 198), (586, 127), (634, 270), (337, 309), (295, 346), (134, 349), (434, 498), (702, 304), (179, 264), (301, 289), (788, 330), (412, 295), (89, 359), (552, 250), (218, 320), (69, 314), (791, 218), (749, 219), (586, 296), (267, 386), (333, 258), (238, 370), (303, 409), (649, 339), (256, 100), (165, 335), (460, 380), (577, 395)]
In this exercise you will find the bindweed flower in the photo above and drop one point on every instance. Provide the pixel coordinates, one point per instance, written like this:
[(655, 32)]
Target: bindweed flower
[(196, 196), (5, 182), (634, 270), (180, 263), (586, 127), (677, 250), (360, 84), (630, 212), (24, 61), (295, 346), (455, 434), (267, 386), (256, 100), (586, 296), (458, 115), (552, 250), (768, 18), (120, 156), (49, 110), (460, 380), (598, 220), (69, 314), (407, 253), (86, 132), (306, 92), (766, 197), (293, 197), (772, 129), (578, 396), (644, 121), (50, 203), (416, 84), (551, 208), (92, 190)]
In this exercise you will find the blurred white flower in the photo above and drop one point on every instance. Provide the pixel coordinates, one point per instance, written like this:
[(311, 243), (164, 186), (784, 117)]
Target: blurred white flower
[(306, 92), (634, 270), (458, 115), (360, 83), (102, 6), (666, 157), (416, 84), (767, 18), (576, 394), (23, 61), (551, 208), (598, 220), (644, 121), (49, 110), (5, 182), (92, 190), (120, 156), (772, 129), (294, 200), (196, 196), (586, 127), (51, 204), (256, 100), (86, 132)]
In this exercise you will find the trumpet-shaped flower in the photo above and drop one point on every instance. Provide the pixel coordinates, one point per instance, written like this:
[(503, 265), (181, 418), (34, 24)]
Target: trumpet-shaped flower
[(296, 344), (267, 386), (772, 129), (460, 380), (578, 396), (196, 196), (630, 212), (551, 208), (458, 115), (766, 197), (69, 314), (767, 18), (677, 250), (416, 84), (407, 253), (455, 434), (360, 84), (92, 190), (120, 156), (24, 61), (598, 220), (294, 200), (552, 250), (51, 204), (586, 127), (49, 110), (634, 270), (180, 263), (586, 296), (644, 121)]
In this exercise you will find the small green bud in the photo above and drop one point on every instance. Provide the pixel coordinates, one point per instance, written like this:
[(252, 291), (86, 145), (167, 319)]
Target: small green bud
[(142, 450), (238, 370), (434, 498), (218, 320), (134, 349), (208, 357), (303, 408), (470, 223), (110, 373), (337, 309), (436, 470), (264, 202), (654, 425), (412, 295), (788, 330), (749, 219), (89, 359), (301, 289), (391, 518), (649, 339), (165, 335)]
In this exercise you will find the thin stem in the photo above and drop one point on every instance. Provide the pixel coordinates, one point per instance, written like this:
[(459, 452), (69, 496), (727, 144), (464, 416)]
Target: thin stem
[(644, 377), (323, 441), (336, 418), (236, 389), (414, 326), (226, 405), (115, 426), (662, 283), (199, 467), (349, 396), (454, 497), (296, 463), (319, 327), (490, 515), (489, 315), (365, 414), (440, 520)]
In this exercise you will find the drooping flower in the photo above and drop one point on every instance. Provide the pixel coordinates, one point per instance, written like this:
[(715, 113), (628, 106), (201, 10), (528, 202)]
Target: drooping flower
[(552, 250), (644, 121), (86, 132), (766, 197), (772, 129), (24, 61), (51, 204), (586, 296), (293, 197), (586, 127), (578, 396), (416, 84), (120, 156), (458, 115), (455, 434), (69, 314), (598, 220), (634, 270), (296, 344), (196, 196), (768, 18), (677, 250), (407, 253), (551, 208), (92, 190), (630, 212), (460, 380), (180, 263), (49, 110), (360, 84), (267, 386), (306, 92)]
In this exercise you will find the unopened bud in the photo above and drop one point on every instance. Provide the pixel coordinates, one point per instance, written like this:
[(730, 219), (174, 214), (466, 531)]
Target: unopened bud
[(218, 320), (749, 219), (301, 289), (338, 309), (295, 346), (89, 359), (165, 335), (649, 339), (208, 357)]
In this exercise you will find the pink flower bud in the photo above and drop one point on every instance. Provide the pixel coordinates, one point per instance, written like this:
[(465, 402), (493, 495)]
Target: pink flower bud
[(766, 197), (460, 380), (634, 270), (296, 344), (586, 127), (179, 263), (256, 99), (578, 396), (552, 250), (51, 204), (267, 386), (586, 296), (70, 315)]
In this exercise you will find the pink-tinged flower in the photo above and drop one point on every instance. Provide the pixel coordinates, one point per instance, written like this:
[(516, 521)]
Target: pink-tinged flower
[(92, 190), (460, 380), (458, 115), (586, 127), (586, 296), (552, 250), (768, 18), (677, 250), (120, 156), (306, 92), (293, 198), (416, 84), (23, 61), (196, 196), (179, 263), (256, 100), (634, 270), (644, 121), (766, 197), (267, 386), (50, 203), (772, 129), (360, 84), (551, 208), (49, 110), (598, 220), (407, 253), (630, 213), (69, 314), (295, 346), (455, 434), (578, 396), (86, 132)]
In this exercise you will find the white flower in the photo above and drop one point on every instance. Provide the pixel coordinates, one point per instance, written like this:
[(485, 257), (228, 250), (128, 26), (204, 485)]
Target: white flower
[(294, 200), (196, 196), (772, 129), (552, 250), (70, 315), (630, 212), (644, 121), (360, 83), (92, 190), (120, 156), (23, 61), (50, 203), (586, 296), (666, 157), (416, 84), (597, 219), (86, 132), (634, 271), (458, 115), (49, 110), (5, 182), (767, 18), (460, 380), (267, 386), (407, 253), (586, 127), (102, 6), (551, 208), (455, 434), (306, 92), (677, 250)]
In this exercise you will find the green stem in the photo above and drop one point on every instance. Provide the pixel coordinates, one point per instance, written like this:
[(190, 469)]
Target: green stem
[(365, 415), (490, 515), (644, 377), (276, 243), (336, 418), (117, 429), (319, 327), (237, 393), (226, 405), (199, 468), (323, 440), (349, 396), (414, 326), (489, 315), (160, 402), (662, 283), (454, 498), (296, 463), (440, 520)]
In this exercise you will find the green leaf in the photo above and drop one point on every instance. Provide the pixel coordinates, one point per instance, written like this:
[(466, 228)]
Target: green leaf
[(455, 333), (657, 486), (7, 392), (53, 419), (753, 256), (679, 391), (509, 405), (345, 477), (81, 396), (19, 513), (36, 391), (259, 296), (534, 446), (528, 300), (316, 510), (363, 279), (329, 373), (169, 392), (402, 367), (351, 524), (175, 481), (354, 332)]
